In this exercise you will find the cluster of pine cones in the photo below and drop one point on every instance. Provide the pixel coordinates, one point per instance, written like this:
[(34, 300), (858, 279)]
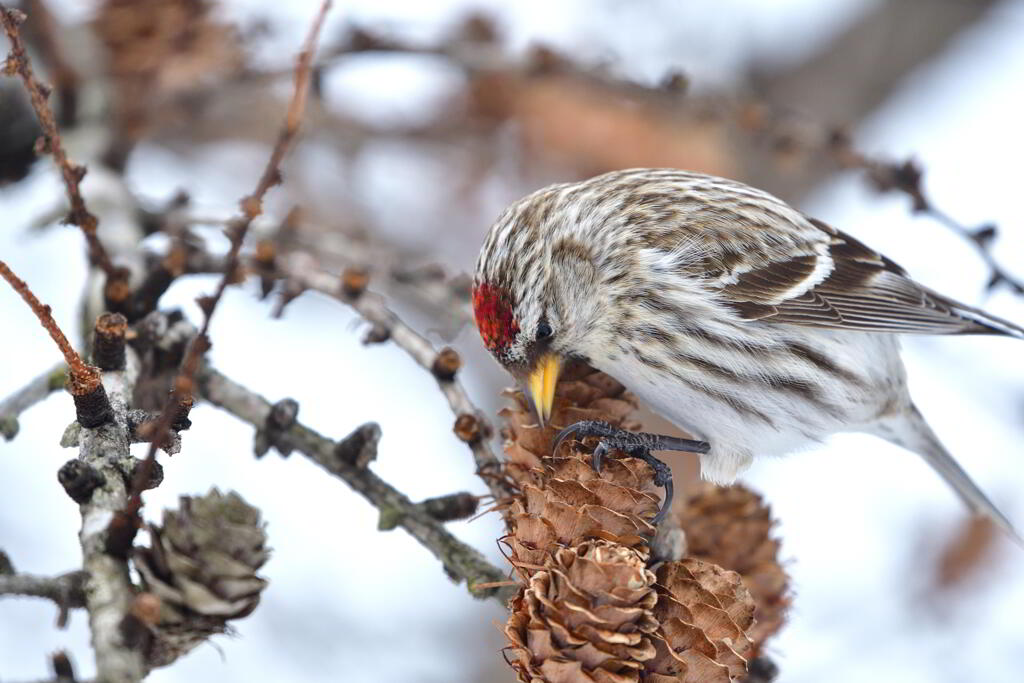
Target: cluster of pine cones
[(596, 604)]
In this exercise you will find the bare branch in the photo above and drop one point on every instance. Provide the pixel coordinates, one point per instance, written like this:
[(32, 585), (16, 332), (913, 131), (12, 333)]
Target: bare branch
[(252, 206), (66, 590), (460, 561), (18, 62), (32, 393), (81, 373), (470, 424), (907, 177), (92, 407), (107, 533)]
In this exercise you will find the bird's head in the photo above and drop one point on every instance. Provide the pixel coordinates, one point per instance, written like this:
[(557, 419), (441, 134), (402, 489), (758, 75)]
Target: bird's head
[(520, 340), (540, 319)]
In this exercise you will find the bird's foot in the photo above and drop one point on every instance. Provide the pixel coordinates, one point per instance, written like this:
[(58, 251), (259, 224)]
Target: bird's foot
[(638, 445)]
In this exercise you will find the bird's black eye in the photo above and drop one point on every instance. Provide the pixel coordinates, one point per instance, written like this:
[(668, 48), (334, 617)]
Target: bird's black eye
[(544, 331)]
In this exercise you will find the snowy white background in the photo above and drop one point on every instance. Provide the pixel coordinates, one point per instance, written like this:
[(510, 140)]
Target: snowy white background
[(861, 520)]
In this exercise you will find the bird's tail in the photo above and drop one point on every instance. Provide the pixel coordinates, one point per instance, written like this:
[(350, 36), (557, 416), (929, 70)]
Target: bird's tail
[(912, 432)]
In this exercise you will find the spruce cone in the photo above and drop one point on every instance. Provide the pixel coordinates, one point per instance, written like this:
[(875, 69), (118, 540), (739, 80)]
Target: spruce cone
[(731, 526), (202, 565)]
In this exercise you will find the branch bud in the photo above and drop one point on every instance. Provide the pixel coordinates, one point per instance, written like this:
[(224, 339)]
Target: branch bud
[(108, 341), (79, 480), (446, 364)]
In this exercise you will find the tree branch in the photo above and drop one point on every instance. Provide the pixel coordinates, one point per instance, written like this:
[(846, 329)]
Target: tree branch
[(66, 590), (907, 177), (460, 561), (32, 393), (81, 373), (252, 206), (470, 424), (18, 62), (106, 535)]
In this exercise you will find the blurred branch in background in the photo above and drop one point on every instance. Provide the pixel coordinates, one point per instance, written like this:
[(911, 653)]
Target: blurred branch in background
[(35, 391), (66, 590), (851, 76), (17, 62), (582, 120)]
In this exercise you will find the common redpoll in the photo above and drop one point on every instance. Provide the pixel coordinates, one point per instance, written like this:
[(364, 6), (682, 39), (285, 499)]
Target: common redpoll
[(740, 319)]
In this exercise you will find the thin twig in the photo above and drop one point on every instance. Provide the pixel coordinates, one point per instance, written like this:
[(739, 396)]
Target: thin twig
[(66, 590), (32, 393), (981, 239), (252, 206), (907, 177), (82, 375), (472, 426), (18, 62), (460, 560), (46, 32)]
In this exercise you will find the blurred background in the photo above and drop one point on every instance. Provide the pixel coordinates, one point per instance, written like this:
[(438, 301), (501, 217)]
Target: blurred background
[(426, 120)]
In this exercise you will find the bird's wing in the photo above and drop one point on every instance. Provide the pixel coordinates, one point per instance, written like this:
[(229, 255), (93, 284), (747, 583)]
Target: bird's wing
[(840, 283)]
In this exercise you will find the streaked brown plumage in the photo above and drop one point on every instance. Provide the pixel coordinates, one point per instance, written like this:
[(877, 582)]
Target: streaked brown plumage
[(751, 325)]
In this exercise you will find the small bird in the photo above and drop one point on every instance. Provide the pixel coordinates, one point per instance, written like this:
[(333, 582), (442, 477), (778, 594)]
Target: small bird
[(752, 326)]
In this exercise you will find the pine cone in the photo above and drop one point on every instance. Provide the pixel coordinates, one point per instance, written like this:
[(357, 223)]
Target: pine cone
[(562, 501), (586, 618), (591, 610), (731, 526), (202, 565), (596, 614), (704, 613), (583, 394)]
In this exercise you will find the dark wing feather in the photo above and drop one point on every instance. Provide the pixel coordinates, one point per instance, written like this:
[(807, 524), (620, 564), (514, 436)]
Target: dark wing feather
[(863, 291)]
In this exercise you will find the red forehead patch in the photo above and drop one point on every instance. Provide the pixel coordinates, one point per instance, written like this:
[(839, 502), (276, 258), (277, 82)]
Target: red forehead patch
[(492, 309)]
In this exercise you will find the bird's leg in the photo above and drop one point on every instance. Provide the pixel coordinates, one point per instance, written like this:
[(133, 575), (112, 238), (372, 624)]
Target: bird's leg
[(638, 445)]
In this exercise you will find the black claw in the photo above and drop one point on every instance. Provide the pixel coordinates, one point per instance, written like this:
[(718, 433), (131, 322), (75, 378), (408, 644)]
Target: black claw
[(585, 428), (637, 444), (662, 477), (598, 455)]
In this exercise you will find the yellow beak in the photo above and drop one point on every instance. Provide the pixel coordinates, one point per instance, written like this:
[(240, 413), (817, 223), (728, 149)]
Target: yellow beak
[(542, 382)]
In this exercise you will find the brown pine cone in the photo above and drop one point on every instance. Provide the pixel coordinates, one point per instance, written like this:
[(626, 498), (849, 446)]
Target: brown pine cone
[(583, 394), (704, 613), (202, 566), (587, 618), (591, 610), (562, 501), (731, 526)]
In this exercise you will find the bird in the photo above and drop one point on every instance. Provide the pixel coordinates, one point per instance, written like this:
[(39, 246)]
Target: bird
[(752, 326)]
